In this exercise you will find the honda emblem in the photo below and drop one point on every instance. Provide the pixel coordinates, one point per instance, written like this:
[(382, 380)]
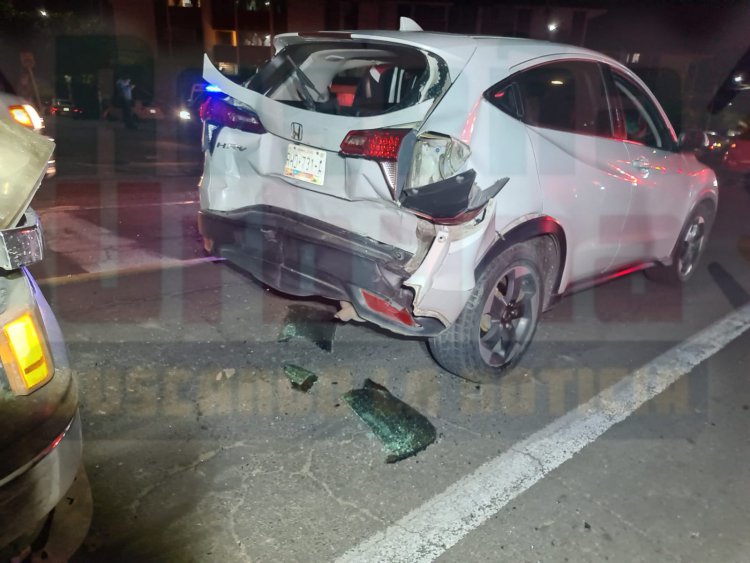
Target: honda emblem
[(297, 131)]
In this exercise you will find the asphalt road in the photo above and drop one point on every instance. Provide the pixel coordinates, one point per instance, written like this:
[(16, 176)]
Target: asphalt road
[(197, 448)]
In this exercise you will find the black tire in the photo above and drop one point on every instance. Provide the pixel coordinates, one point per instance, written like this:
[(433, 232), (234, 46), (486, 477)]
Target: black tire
[(688, 250), (499, 319)]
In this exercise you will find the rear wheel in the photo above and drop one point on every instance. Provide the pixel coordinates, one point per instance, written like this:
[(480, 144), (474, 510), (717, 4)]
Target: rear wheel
[(499, 320), (690, 247)]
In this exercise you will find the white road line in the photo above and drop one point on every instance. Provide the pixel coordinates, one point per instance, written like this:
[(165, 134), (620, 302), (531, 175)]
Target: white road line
[(166, 264), (430, 530), (94, 247)]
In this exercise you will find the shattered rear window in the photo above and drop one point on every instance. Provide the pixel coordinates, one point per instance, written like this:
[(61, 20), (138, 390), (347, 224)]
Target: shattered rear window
[(350, 77)]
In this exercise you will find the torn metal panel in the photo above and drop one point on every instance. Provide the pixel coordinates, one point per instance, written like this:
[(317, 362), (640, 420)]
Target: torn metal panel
[(309, 323), (445, 278), (402, 429), (301, 378)]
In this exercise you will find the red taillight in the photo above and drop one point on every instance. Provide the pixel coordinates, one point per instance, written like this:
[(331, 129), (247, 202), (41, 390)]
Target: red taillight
[(223, 113), (380, 305), (379, 144)]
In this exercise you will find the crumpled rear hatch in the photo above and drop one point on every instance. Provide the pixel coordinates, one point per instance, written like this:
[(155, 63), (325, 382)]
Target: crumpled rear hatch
[(318, 90)]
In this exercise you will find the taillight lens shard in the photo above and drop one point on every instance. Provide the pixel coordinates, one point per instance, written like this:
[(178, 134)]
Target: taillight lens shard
[(223, 113), (436, 158), (377, 144)]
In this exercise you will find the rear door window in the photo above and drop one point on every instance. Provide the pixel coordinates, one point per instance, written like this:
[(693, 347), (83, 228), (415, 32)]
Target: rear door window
[(564, 95), (351, 78)]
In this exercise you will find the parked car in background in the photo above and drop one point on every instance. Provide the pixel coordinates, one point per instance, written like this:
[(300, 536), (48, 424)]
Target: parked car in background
[(713, 152), (736, 157), (40, 428), (188, 111), (62, 108), (458, 190), (142, 111)]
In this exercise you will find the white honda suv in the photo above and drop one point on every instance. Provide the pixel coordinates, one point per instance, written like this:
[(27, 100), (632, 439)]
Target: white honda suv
[(446, 186)]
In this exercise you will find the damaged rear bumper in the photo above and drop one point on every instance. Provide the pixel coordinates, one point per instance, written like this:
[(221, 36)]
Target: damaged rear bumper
[(302, 256)]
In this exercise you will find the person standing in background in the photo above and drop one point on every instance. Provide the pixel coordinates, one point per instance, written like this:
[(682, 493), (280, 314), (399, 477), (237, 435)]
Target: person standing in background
[(125, 94)]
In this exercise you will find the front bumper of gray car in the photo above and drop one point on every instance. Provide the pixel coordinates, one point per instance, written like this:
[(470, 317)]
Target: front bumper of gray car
[(34, 490), (40, 432)]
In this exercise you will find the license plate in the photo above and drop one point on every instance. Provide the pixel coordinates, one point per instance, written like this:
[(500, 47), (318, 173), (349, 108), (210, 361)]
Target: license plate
[(306, 164)]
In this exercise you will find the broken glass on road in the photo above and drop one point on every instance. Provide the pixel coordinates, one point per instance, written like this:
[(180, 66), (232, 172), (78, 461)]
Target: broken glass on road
[(401, 428), (301, 378), (309, 323)]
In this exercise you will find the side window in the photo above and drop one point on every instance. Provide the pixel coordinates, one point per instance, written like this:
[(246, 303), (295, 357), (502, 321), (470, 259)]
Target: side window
[(565, 95), (505, 97), (639, 120)]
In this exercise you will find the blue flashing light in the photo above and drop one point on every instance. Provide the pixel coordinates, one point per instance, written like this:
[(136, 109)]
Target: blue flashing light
[(212, 88)]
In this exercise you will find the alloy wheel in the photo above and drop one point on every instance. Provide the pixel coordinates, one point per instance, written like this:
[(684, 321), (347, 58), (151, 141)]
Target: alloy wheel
[(691, 246), (509, 316)]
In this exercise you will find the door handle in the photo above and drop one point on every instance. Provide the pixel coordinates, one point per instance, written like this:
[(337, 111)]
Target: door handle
[(641, 163)]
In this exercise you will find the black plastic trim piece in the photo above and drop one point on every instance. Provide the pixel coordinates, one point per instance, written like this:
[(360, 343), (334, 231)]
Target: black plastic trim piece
[(301, 256), (446, 198), (588, 283)]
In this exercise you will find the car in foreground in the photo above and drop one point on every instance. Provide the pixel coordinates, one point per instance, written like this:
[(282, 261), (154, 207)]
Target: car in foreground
[(40, 427), (447, 187), (15, 109)]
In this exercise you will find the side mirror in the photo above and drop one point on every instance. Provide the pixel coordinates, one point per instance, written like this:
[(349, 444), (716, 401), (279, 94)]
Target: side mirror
[(692, 139)]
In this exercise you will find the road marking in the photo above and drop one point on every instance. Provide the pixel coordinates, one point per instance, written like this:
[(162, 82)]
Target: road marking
[(94, 247), (430, 530), (165, 264)]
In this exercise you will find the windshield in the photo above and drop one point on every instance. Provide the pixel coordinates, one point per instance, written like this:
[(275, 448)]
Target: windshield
[(351, 78)]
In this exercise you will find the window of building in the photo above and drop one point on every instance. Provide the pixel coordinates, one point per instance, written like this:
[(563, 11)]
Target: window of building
[(185, 3)]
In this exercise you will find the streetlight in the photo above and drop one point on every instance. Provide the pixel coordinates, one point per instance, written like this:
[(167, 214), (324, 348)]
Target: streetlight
[(44, 13), (552, 27)]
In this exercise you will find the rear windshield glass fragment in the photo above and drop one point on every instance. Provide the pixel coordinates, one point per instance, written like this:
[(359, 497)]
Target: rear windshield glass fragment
[(402, 429)]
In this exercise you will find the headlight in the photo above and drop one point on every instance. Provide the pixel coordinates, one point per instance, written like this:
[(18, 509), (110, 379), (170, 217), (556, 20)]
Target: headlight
[(27, 116), (436, 158)]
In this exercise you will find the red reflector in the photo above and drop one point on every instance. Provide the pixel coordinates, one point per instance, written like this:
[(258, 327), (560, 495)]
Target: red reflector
[(380, 305), (222, 113), (380, 144)]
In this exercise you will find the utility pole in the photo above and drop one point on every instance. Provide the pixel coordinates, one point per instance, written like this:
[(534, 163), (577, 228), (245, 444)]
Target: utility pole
[(237, 33), (270, 25)]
